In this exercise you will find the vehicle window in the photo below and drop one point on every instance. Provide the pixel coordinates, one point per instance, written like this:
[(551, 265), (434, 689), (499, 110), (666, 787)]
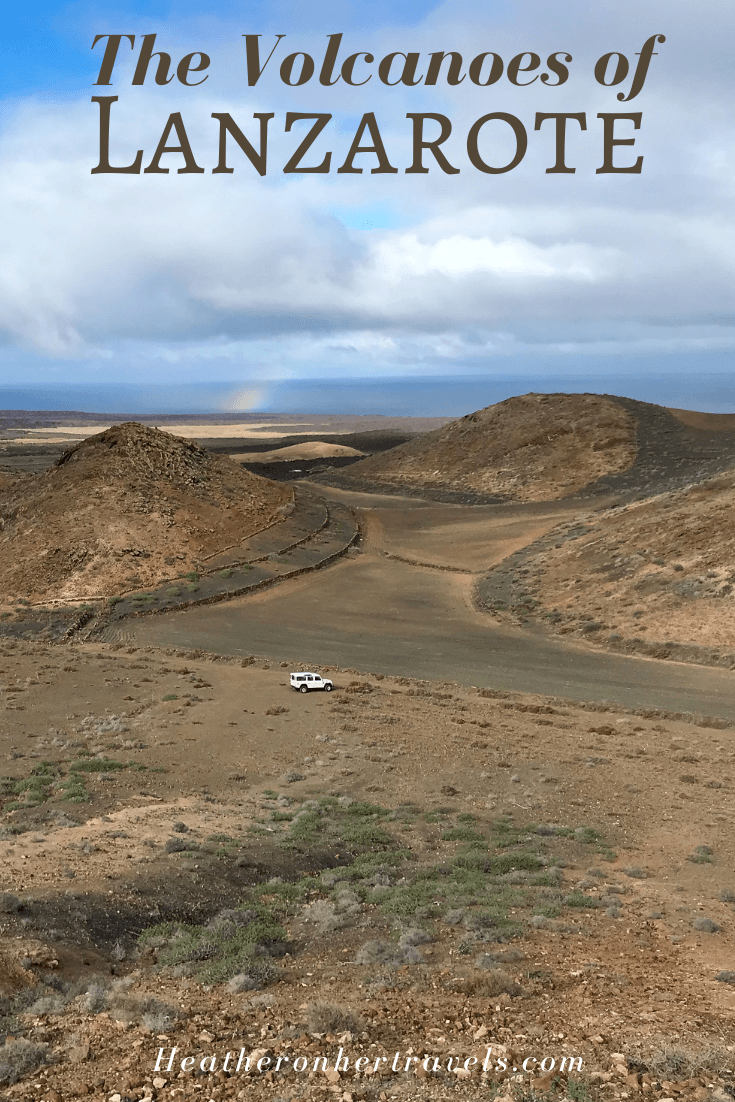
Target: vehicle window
[(310, 678)]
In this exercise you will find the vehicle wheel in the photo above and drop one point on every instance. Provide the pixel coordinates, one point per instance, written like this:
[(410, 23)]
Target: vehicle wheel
[(327, 688), (303, 689)]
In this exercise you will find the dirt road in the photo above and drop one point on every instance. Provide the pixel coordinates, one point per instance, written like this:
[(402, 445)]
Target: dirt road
[(373, 612)]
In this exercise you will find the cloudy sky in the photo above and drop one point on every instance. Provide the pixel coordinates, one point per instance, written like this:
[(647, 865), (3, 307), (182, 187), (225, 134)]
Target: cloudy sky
[(255, 282)]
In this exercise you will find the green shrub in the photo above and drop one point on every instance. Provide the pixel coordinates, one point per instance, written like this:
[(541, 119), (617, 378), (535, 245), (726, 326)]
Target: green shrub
[(235, 942), (579, 899), (588, 835), (286, 892), (96, 765), (307, 826), (35, 789), (510, 862), (73, 790), (366, 834), (408, 900), (462, 834)]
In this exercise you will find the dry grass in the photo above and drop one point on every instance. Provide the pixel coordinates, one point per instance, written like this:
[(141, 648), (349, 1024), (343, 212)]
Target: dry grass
[(536, 447), (675, 1061), (488, 984), (19, 1057), (322, 1017)]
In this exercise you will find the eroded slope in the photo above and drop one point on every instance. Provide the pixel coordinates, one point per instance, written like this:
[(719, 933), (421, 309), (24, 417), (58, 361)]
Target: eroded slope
[(129, 506), (536, 447), (660, 569)]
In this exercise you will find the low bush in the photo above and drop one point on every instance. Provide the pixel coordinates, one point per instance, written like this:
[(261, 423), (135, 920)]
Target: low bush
[(488, 984), (238, 941), (387, 953), (150, 1012), (19, 1057), (324, 1017), (96, 765)]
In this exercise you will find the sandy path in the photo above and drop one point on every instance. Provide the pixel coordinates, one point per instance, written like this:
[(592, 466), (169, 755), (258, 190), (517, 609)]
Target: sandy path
[(373, 613)]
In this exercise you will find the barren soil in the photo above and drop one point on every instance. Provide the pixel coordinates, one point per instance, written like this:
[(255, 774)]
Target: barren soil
[(711, 422), (528, 851), (318, 449), (661, 569), (29, 428), (375, 611), (546, 447), (128, 507), (618, 966), (537, 447)]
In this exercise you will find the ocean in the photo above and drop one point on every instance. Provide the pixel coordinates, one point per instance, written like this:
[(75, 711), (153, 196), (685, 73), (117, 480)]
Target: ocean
[(415, 396)]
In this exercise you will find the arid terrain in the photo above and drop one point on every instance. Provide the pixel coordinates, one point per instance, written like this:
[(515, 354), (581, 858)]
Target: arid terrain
[(495, 849), (546, 447), (443, 869), (538, 447), (126, 507), (662, 568)]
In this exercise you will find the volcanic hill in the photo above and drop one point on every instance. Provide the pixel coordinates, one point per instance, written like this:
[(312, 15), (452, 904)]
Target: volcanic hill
[(127, 507), (544, 447), (659, 569), (537, 447)]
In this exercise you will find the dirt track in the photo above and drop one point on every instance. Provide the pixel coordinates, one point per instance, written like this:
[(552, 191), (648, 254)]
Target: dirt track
[(374, 612)]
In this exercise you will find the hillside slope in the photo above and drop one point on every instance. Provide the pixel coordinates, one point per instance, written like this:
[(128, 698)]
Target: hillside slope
[(546, 447), (536, 447), (126, 507), (654, 570)]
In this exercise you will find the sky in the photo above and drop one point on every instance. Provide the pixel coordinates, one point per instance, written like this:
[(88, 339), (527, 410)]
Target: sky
[(250, 289)]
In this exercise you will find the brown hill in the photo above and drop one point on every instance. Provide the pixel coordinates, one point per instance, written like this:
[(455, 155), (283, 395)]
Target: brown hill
[(710, 422), (537, 447), (314, 449), (127, 507), (661, 569)]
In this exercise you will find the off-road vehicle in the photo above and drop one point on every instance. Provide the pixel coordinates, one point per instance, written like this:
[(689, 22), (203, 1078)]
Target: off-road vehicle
[(302, 682)]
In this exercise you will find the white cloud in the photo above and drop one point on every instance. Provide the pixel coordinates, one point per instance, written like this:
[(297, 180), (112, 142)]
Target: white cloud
[(195, 273)]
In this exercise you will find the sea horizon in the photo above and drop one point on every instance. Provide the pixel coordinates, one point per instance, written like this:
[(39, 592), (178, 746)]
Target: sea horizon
[(397, 396)]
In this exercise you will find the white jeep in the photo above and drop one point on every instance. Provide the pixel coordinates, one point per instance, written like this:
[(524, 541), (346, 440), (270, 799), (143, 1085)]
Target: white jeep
[(302, 682)]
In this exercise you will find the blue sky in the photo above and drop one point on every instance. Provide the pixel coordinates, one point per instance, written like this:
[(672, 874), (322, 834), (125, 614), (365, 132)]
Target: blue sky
[(256, 283), (45, 47)]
